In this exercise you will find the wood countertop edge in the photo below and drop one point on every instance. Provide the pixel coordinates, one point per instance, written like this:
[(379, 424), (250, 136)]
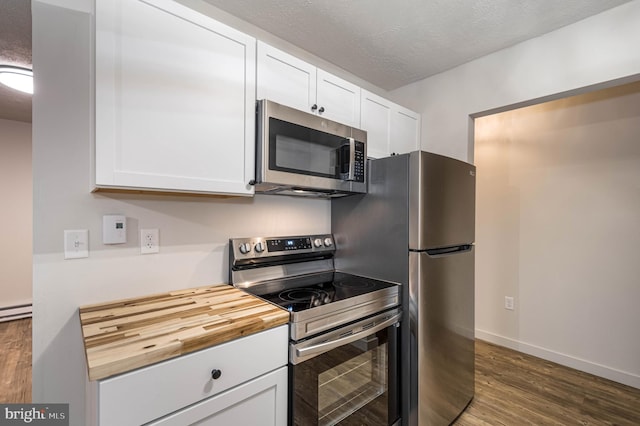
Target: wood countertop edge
[(138, 350)]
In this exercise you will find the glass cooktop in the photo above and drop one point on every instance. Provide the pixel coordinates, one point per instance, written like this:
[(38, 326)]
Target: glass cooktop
[(311, 295)]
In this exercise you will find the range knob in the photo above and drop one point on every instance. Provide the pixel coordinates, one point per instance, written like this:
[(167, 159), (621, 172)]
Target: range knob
[(317, 242), (328, 242), (259, 247), (245, 248)]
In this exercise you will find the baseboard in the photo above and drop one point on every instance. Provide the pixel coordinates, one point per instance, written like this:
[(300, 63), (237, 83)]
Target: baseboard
[(599, 370), (10, 313)]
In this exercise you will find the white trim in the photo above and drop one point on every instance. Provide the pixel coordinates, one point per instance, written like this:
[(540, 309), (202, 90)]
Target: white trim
[(10, 313), (599, 370)]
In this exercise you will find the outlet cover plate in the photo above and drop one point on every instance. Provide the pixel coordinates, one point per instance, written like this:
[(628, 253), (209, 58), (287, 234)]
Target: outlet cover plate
[(509, 303), (149, 241)]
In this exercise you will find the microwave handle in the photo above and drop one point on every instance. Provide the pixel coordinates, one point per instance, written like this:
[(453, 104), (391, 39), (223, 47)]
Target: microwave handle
[(352, 159)]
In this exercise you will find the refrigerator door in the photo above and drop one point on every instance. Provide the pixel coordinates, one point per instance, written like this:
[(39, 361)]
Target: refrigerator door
[(441, 320), (442, 196)]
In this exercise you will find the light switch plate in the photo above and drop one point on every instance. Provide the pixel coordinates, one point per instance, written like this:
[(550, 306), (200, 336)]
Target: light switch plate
[(76, 243)]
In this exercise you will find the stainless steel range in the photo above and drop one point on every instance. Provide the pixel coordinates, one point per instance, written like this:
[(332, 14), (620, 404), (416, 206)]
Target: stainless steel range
[(343, 350)]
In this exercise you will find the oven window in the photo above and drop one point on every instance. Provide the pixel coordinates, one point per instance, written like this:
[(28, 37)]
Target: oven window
[(354, 384)]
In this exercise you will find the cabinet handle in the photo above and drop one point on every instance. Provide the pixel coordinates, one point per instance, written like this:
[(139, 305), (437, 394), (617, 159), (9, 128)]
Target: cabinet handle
[(314, 107), (215, 374), (321, 109)]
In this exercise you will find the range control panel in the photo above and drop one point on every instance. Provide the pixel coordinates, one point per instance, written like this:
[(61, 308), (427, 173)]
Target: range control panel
[(288, 244), (264, 247)]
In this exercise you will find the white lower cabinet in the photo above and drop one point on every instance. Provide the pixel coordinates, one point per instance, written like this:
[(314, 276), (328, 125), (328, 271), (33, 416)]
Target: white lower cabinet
[(260, 402), (251, 388)]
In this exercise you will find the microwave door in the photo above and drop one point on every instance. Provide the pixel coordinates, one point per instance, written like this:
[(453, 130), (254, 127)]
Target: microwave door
[(301, 152)]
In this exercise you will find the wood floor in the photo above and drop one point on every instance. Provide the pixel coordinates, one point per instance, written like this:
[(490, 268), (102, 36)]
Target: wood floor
[(15, 361), (512, 388), (517, 389)]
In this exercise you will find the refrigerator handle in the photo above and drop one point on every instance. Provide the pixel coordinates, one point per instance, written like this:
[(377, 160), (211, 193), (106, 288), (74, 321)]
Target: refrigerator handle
[(449, 250)]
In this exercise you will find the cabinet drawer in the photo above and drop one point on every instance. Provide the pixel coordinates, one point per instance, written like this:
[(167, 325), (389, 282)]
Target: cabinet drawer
[(148, 393), (262, 401)]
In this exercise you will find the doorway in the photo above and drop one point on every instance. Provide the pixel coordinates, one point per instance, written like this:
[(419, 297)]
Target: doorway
[(558, 202)]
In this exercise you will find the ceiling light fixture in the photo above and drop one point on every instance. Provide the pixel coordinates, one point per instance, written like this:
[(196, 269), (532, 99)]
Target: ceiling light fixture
[(17, 78)]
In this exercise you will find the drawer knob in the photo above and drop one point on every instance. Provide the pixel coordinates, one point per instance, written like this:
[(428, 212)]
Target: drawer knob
[(215, 374)]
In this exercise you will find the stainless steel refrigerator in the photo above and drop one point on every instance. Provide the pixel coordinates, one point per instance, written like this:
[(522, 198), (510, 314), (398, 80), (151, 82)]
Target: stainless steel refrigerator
[(416, 226)]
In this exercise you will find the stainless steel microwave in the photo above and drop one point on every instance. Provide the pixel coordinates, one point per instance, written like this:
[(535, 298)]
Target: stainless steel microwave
[(298, 153)]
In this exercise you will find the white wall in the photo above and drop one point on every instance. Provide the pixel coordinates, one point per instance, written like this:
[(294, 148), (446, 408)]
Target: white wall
[(594, 51), (16, 189), (558, 206), (193, 231), (600, 51)]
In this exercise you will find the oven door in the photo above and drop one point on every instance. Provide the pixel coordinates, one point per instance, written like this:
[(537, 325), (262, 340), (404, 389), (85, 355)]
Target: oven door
[(348, 376)]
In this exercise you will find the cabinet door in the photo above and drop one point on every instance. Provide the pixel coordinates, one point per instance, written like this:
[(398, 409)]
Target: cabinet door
[(338, 100), (405, 131), (290, 81), (375, 119), (262, 401), (285, 79), (175, 99)]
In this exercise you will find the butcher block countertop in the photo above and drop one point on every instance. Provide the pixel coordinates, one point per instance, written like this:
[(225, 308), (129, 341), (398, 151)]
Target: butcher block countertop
[(123, 335)]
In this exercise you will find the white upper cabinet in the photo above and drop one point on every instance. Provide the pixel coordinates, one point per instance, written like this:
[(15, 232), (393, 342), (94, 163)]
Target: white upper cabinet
[(405, 130), (376, 120), (391, 128), (339, 99), (175, 100), (287, 80)]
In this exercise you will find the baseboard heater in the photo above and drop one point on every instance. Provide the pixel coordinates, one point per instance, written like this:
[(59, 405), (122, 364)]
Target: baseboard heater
[(9, 313)]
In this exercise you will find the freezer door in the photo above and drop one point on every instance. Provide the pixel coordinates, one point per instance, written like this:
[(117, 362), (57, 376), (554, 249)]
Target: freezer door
[(442, 196), (441, 316)]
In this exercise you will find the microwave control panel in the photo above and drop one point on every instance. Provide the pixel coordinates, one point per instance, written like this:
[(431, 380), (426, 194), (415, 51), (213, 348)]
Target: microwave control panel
[(359, 162)]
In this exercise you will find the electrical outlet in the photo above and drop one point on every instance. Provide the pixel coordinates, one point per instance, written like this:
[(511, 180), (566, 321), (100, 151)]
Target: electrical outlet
[(508, 303), (149, 241)]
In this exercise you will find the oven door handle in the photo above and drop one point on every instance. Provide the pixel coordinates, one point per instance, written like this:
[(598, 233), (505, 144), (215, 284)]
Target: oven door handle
[(302, 354)]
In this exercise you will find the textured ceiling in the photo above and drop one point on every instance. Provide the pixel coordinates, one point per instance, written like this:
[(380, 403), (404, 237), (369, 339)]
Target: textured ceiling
[(393, 43), (15, 50)]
